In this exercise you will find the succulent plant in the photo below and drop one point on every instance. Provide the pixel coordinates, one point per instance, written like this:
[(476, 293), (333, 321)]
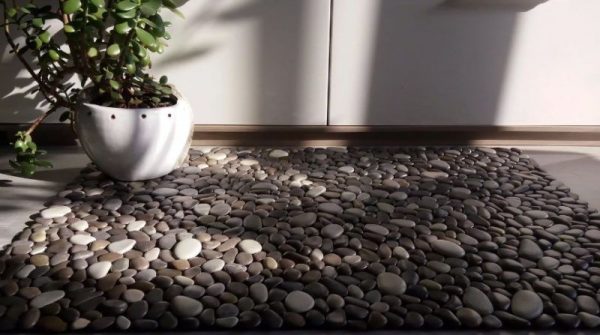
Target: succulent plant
[(100, 48)]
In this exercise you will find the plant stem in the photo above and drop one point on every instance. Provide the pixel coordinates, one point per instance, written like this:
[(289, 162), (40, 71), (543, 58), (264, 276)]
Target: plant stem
[(40, 119)]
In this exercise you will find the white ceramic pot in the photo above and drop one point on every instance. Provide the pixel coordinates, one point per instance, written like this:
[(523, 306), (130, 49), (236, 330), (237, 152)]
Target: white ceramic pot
[(138, 143)]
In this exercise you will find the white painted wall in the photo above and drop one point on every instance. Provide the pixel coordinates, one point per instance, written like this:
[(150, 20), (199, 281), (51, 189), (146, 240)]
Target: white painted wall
[(465, 62), (237, 61), (403, 62)]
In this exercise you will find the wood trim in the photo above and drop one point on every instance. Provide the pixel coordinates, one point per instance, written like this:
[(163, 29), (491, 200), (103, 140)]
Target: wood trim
[(233, 135), (395, 135)]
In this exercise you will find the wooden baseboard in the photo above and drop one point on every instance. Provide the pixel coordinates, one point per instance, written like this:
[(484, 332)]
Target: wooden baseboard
[(396, 135), (226, 135)]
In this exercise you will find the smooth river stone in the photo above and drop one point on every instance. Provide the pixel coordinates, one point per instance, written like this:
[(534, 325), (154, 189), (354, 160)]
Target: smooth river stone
[(391, 283), (136, 225), (548, 263), (201, 209), (213, 265), (81, 239), (332, 230), (79, 225), (593, 234), (186, 307), (165, 191), (121, 247), (187, 248), (250, 246), (527, 304), (217, 156), (439, 164), (278, 153), (447, 248), (55, 212), (316, 191), (530, 250), (304, 219), (331, 208), (46, 298), (377, 229), (299, 302), (477, 300), (220, 209), (99, 270)]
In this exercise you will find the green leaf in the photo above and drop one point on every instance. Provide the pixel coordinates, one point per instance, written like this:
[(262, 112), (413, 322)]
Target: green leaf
[(37, 22), (113, 50), (53, 55), (114, 84), (150, 7), (32, 147), (145, 37), (20, 145), (126, 5), (11, 12), (45, 36), (27, 169), (71, 6), (92, 52), (98, 3), (69, 29), (122, 28), (163, 80), (130, 14)]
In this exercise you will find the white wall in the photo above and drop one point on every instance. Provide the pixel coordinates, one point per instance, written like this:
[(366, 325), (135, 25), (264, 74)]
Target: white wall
[(403, 62), (435, 62), (237, 61)]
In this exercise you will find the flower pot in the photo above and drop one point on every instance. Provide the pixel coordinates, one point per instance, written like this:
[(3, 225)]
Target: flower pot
[(137, 143)]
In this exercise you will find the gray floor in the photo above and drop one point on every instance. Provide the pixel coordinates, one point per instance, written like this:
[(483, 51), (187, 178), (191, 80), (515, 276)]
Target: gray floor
[(577, 167)]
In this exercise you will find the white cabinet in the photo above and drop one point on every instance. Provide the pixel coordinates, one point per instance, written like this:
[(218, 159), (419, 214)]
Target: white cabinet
[(251, 62), (465, 62)]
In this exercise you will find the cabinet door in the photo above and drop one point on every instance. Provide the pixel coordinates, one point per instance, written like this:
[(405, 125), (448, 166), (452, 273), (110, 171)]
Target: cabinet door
[(465, 62), (251, 62)]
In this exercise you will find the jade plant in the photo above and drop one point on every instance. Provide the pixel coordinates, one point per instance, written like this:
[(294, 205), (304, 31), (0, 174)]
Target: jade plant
[(96, 51)]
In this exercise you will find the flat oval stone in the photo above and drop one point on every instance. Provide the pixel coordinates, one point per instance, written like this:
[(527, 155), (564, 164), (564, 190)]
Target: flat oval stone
[(548, 263), (332, 230), (213, 265), (187, 248), (530, 250), (278, 153), (122, 246), (447, 248), (81, 239), (220, 209), (316, 191), (527, 304), (250, 246), (55, 212), (47, 298), (201, 209), (377, 229), (186, 307), (331, 208), (304, 219), (391, 283), (299, 301), (136, 225), (99, 270), (165, 191), (477, 300)]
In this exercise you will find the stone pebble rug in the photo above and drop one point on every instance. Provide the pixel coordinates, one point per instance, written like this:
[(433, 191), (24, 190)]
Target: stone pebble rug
[(357, 238)]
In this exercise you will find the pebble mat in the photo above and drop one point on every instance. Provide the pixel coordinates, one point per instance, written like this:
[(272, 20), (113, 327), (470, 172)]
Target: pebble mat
[(357, 238)]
